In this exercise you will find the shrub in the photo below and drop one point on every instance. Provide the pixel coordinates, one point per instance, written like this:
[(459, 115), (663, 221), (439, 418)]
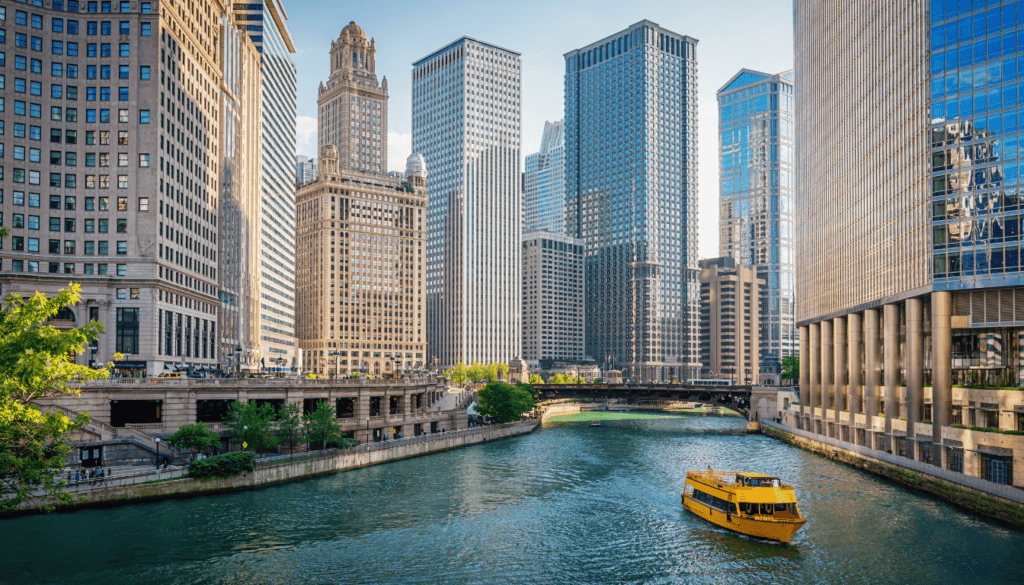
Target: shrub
[(343, 443), (224, 465)]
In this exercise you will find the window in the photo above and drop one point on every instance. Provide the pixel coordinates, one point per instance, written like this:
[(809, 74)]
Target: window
[(101, 248), (69, 247), (104, 71), (90, 49), (90, 225), (144, 72), (124, 50), (122, 204), (72, 91), (126, 27), (105, 28), (146, 29), (69, 224), (33, 199), (33, 244), (122, 226), (101, 269), (122, 117), (122, 182), (122, 270), (56, 113), (69, 203), (122, 159), (56, 91), (57, 48), (122, 94), (57, 25), (143, 203), (90, 204), (73, 25), (18, 220), (122, 248), (18, 243), (123, 71), (143, 116), (55, 246), (143, 160), (90, 248), (72, 49), (54, 201), (127, 340), (72, 73), (70, 181), (33, 222), (146, 8)]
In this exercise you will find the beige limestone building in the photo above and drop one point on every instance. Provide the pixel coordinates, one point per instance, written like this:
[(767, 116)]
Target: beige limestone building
[(360, 235), (120, 107), (729, 320)]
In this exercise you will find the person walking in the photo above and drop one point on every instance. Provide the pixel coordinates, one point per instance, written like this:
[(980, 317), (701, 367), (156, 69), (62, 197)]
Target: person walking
[(78, 476), (69, 476)]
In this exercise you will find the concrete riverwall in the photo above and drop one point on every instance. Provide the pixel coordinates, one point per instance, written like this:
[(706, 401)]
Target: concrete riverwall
[(266, 475), (558, 410), (983, 498)]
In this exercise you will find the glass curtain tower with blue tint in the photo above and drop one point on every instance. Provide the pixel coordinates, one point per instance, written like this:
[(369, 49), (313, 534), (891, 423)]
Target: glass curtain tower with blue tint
[(266, 25), (631, 194), (756, 188), (466, 108), (544, 183)]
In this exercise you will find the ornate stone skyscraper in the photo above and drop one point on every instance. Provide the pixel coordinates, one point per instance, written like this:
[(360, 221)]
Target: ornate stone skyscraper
[(353, 106)]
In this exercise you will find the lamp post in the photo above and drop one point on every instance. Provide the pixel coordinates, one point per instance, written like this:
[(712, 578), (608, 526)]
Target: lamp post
[(367, 430), (157, 453)]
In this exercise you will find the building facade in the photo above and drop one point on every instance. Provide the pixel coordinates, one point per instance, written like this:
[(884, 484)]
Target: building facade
[(544, 183), (756, 181), (352, 106), (907, 250), (267, 26), (361, 243), (553, 315), (631, 194), (466, 123), (133, 171), (730, 295), (305, 169)]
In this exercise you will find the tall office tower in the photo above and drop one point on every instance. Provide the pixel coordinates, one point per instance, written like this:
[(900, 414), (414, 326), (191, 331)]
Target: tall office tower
[(756, 213), (133, 172), (360, 270), (239, 217), (305, 169), (544, 183), (466, 123), (553, 315), (631, 194), (729, 319), (352, 107), (908, 223), (266, 24)]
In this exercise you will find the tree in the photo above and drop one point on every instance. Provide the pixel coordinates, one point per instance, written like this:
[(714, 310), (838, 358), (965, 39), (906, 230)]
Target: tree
[(36, 364), (251, 424), (195, 436), (536, 379), (502, 370), (790, 367), (528, 388), (503, 402), (322, 424), (458, 374), (289, 427)]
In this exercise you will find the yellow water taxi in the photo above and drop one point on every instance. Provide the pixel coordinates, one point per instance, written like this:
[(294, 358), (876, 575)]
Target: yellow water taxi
[(754, 504)]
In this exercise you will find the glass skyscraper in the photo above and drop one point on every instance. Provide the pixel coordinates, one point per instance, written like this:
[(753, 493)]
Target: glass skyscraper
[(756, 208), (544, 183), (266, 24), (631, 194), (466, 123)]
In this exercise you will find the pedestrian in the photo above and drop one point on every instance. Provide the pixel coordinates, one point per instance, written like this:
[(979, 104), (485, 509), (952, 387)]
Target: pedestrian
[(69, 476), (100, 478), (78, 476)]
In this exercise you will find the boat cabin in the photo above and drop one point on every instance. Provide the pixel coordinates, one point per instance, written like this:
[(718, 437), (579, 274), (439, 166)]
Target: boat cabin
[(757, 480)]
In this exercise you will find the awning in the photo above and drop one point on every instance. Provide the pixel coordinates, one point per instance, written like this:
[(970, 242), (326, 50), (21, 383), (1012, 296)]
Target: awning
[(125, 365), (988, 450)]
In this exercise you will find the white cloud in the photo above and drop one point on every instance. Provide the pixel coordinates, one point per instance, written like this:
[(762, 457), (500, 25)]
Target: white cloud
[(305, 136), (399, 149)]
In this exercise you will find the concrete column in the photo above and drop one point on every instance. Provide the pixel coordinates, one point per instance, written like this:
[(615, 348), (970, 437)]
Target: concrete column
[(813, 366), (805, 374), (827, 368), (839, 371), (891, 365), (872, 365), (853, 336), (942, 368), (914, 363)]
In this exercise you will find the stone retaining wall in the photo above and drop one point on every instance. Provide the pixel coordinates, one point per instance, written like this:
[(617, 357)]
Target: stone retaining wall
[(1008, 510), (558, 410), (264, 476)]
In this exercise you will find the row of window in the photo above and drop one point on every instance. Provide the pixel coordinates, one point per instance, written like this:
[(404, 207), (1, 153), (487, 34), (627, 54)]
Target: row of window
[(101, 248), (75, 6), (71, 202), (70, 181), (92, 28), (70, 268)]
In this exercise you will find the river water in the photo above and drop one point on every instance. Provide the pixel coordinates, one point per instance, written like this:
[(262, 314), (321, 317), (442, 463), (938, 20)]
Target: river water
[(566, 504)]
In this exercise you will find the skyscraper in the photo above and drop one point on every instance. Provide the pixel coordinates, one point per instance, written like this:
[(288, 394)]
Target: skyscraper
[(352, 112), (466, 123), (553, 315), (756, 211), (544, 183), (631, 194), (729, 319), (134, 219), (266, 24), (305, 169)]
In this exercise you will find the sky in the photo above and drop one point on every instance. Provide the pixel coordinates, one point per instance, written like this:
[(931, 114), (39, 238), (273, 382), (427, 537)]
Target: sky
[(732, 35)]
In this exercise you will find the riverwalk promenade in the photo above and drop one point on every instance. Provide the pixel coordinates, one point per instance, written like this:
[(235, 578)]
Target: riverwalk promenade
[(174, 483)]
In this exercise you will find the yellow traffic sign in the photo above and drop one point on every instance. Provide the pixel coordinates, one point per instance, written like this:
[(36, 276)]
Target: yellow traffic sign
[(245, 445)]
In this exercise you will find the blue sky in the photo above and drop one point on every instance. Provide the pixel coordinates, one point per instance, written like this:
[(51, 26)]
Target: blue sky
[(732, 34)]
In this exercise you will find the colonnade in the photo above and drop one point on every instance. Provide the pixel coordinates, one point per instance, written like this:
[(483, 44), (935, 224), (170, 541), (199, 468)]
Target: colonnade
[(853, 363)]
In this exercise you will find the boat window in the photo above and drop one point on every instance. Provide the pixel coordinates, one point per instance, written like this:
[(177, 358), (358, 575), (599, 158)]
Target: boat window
[(755, 483), (775, 483), (780, 507), (712, 501)]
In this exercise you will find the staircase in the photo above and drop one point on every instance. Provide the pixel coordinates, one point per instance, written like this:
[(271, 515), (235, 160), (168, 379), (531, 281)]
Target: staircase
[(106, 432)]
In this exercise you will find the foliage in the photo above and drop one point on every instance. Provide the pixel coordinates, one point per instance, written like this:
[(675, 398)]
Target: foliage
[(528, 388), (599, 380), (251, 423), (536, 379), (35, 364), (195, 436), (322, 425), (988, 430), (564, 379), (289, 428), (224, 465), (790, 367), (311, 376), (343, 443), (459, 374), (503, 402)]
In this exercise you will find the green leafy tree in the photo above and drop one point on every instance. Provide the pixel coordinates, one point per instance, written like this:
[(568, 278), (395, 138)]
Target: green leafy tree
[(459, 374), (502, 370), (790, 367), (528, 388), (598, 380), (503, 402), (195, 436), (35, 365), (536, 379), (251, 424), (322, 424), (289, 427)]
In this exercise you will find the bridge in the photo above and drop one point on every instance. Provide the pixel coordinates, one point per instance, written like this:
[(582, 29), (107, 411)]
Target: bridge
[(735, 398)]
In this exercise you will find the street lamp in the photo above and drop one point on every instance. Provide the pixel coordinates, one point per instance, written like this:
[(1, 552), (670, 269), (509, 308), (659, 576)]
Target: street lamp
[(367, 430), (238, 360), (157, 452)]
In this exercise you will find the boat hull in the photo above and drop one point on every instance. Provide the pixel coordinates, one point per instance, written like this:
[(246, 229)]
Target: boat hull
[(777, 530)]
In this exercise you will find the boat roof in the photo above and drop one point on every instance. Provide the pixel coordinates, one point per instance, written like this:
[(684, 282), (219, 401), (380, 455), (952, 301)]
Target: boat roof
[(729, 477)]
